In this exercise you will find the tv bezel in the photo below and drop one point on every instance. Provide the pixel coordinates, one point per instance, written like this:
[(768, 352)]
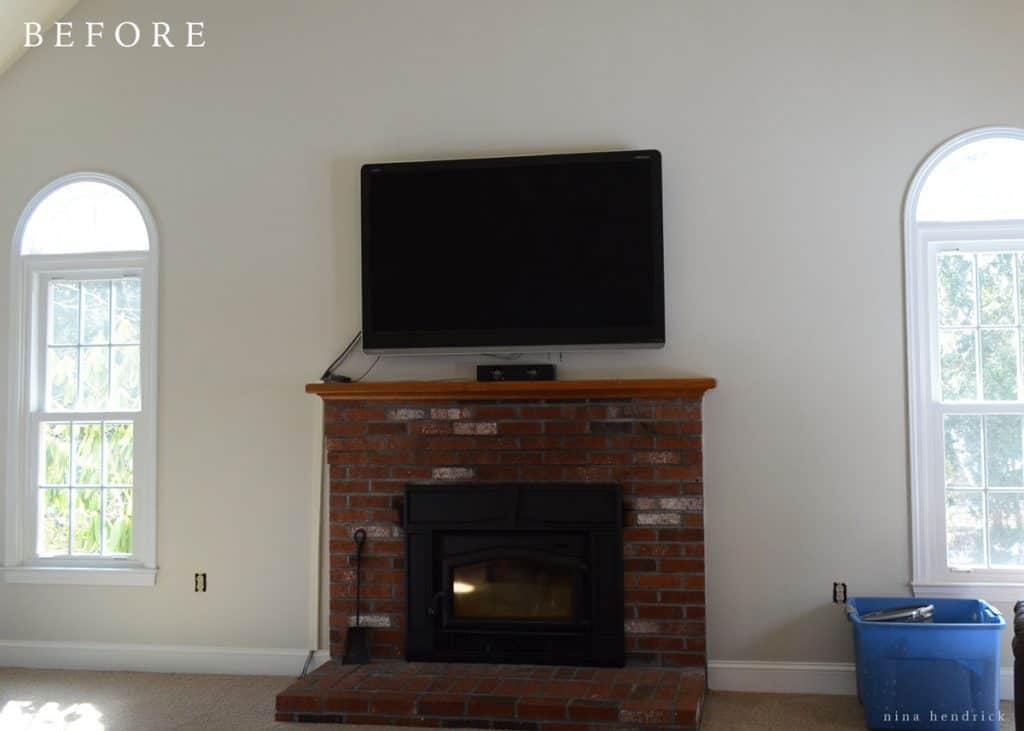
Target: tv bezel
[(515, 340)]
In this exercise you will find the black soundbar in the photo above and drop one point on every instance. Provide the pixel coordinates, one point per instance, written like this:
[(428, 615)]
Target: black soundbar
[(509, 372)]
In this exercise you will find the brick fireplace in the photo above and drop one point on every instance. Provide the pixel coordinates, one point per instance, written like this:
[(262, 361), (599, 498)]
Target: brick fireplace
[(642, 435)]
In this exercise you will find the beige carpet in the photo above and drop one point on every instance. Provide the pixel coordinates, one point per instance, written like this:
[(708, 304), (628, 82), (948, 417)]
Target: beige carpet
[(33, 700)]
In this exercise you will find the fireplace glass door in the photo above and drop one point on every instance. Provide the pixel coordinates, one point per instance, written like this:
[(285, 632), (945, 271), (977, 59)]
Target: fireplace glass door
[(523, 579), (513, 589)]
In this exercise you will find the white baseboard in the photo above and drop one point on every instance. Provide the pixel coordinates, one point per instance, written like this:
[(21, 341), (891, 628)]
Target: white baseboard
[(818, 678), (156, 658)]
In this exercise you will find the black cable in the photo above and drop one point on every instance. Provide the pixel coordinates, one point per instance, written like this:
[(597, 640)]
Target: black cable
[(328, 375), (367, 371)]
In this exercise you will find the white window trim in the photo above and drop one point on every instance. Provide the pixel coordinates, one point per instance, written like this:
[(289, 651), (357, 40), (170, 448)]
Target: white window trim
[(19, 562), (931, 577)]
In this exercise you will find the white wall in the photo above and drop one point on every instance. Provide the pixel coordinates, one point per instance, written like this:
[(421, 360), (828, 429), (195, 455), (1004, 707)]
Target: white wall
[(789, 132)]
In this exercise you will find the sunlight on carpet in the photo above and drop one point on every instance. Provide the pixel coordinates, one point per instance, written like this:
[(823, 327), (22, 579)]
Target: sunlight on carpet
[(18, 715)]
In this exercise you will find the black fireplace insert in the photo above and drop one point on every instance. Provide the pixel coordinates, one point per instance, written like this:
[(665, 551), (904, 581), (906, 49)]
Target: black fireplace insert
[(515, 573)]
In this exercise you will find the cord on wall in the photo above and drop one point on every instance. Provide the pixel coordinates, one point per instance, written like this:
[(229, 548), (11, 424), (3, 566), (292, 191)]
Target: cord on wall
[(329, 375)]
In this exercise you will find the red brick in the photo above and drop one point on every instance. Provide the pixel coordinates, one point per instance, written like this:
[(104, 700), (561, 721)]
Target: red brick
[(448, 443), (360, 414), (694, 581), (659, 611), (565, 427), (683, 659), (478, 457), (640, 564), (642, 596), (591, 473), (678, 473), (368, 501), (541, 442), (531, 458), (487, 685), (442, 705), (661, 643), (682, 565), (368, 473), (612, 458), (344, 429), (655, 581), (387, 427), (495, 473), (520, 427), (346, 703), (542, 473), (692, 444), (565, 457), (383, 577), (409, 473), (349, 516), (636, 472), (682, 597), (496, 412), (351, 445), (492, 706), (667, 488), (658, 550), (396, 704), (541, 412), (585, 442), (631, 442), (390, 457), (347, 458), (593, 711), (639, 534), (543, 709), (677, 413)]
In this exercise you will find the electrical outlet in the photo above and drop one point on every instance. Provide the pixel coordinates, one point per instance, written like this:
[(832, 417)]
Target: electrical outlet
[(200, 582), (838, 592)]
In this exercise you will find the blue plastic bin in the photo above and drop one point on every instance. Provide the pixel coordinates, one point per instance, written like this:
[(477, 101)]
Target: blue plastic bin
[(942, 674)]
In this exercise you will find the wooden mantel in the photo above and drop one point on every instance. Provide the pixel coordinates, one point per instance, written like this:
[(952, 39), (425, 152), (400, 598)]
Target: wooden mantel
[(475, 390)]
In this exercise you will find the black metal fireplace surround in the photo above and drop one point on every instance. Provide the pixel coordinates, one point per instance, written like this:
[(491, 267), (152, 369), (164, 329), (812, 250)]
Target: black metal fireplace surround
[(515, 573)]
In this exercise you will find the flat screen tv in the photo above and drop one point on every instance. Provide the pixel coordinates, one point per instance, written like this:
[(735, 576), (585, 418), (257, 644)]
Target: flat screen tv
[(551, 252)]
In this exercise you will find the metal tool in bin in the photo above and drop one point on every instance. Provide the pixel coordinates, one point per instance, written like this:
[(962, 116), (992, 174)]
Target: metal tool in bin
[(910, 613)]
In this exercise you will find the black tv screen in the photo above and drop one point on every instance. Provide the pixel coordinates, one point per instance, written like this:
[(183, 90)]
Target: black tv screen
[(518, 253)]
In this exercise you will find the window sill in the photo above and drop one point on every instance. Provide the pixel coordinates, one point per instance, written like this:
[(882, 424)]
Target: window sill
[(79, 575), (990, 591)]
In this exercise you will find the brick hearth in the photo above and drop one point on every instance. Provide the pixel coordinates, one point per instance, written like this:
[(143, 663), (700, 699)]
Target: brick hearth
[(546, 698), (643, 435)]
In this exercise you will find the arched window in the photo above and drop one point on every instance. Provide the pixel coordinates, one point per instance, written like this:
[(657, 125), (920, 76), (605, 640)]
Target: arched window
[(964, 238), (81, 479)]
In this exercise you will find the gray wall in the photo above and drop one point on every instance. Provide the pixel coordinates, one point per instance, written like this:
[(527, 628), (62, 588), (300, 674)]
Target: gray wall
[(789, 131)]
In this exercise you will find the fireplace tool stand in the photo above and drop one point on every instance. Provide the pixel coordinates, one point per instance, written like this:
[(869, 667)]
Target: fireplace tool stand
[(357, 644)]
